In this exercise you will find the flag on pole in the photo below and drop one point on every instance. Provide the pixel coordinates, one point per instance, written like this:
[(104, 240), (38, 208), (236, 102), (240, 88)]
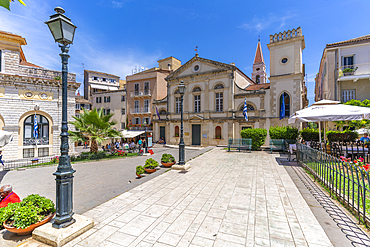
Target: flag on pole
[(35, 128), (282, 107), (157, 113), (245, 110)]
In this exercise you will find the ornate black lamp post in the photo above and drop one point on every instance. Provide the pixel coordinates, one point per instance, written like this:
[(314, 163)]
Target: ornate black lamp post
[(182, 88), (63, 32)]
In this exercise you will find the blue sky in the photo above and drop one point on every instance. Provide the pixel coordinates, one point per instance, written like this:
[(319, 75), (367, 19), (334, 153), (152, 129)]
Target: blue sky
[(114, 35)]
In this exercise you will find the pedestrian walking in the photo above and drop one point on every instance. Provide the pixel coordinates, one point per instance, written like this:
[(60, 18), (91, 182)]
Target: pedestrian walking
[(1, 158)]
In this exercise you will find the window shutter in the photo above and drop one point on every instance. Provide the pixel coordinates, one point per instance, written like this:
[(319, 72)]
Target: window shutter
[(342, 63), (354, 59)]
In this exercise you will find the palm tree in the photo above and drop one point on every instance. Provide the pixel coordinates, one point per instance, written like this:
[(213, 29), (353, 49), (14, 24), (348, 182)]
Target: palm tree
[(95, 126)]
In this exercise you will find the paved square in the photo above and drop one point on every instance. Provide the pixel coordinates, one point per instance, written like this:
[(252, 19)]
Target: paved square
[(225, 199)]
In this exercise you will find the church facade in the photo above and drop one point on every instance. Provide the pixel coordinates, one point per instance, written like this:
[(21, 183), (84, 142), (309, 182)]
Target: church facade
[(215, 94), (26, 91)]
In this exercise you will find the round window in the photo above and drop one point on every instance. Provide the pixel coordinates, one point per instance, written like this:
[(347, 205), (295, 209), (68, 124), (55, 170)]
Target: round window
[(196, 67), (284, 60), (257, 69)]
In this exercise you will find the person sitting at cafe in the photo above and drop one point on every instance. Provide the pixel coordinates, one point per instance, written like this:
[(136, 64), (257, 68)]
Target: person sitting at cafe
[(8, 196), (161, 141), (365, 138)]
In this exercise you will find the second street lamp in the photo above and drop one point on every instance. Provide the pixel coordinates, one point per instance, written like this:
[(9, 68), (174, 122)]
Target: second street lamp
[(182, 88), (63, 32)]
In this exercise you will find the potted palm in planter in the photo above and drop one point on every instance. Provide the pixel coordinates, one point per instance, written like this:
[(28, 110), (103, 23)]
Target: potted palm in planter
[(167, 160), (140, 171), (23, 217), (150, 165)]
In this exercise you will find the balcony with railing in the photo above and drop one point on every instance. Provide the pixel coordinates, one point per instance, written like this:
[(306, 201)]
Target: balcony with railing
[(141, 93), (354, 71), (140, 127), (142, 110)]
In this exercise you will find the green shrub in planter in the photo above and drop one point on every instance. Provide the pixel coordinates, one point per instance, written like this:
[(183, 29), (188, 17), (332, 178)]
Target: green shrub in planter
[(310, 134), (167, 158), (285, 132), (347, 135), (139, 170), (151, 164), (258, 136), (31, 210)]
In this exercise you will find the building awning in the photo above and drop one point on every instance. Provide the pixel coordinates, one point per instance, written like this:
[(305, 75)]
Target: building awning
[(131, 133), (104, 87)]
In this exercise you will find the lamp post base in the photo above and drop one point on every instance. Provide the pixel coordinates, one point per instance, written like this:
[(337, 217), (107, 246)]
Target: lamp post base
[(185, 167)]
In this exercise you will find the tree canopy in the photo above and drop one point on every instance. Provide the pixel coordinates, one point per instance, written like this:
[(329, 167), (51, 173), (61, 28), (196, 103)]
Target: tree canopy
[(95, 126), (356, 124)]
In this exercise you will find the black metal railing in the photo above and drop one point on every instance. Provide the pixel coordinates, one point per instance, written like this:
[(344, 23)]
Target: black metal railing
[(31, 162), (348, 149), (45, 161), (348, 181)]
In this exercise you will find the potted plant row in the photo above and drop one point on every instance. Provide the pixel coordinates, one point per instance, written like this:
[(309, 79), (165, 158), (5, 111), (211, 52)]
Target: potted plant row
[(150, 165), (23, 217), (167, 160)]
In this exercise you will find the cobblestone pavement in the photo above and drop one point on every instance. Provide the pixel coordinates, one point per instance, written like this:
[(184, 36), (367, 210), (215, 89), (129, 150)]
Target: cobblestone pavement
[(94, 183), (225, 199)]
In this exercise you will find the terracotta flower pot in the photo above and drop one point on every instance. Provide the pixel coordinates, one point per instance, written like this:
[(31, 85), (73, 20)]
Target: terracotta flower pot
[(149, 170), (28, 230), (138, 175), (168, 164)]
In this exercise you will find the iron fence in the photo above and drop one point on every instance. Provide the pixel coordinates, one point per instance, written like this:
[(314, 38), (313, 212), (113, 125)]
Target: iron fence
[(44, 161), (348, 149), (32, 162), (349, 182)]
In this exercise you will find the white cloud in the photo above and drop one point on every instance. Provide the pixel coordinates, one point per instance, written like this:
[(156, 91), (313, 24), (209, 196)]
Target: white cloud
[(43, 51), (258, 24)]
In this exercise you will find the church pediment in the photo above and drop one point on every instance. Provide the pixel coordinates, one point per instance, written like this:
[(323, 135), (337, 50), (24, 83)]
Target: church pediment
[(196, 118), (198, 65)]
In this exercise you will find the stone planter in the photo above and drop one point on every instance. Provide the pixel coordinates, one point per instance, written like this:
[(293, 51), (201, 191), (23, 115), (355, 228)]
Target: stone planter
[(168, 164), (28, 230)]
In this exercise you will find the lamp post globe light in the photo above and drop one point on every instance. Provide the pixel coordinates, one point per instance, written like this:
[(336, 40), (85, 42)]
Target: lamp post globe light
[(182, 88), (63, 32)]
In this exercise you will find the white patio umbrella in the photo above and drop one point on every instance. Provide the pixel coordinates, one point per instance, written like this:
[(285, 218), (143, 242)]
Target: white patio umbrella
[(5, 137), (363, 131), (328, 110)]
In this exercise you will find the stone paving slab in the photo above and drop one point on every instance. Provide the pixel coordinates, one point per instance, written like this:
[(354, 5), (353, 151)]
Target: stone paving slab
[(225, 199)]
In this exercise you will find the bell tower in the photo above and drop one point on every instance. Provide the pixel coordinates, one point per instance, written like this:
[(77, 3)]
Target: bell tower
[(259, 68)]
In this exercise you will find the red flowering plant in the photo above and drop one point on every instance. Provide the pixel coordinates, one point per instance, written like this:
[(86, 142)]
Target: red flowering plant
[(357, 162)]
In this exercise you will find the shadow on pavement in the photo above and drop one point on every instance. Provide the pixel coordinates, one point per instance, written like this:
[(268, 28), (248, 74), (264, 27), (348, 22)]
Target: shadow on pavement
[(12, 239), (2, 175)]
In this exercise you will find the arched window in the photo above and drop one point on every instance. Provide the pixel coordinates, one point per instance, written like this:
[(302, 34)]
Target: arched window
[(177, 105), (249, 107), (176, 91), (286, 104), (219, 102), (219, 86), (177, 131), (196, 103), (197, 89), (42, 131), (218, 132), (162, 112), (258, 79)]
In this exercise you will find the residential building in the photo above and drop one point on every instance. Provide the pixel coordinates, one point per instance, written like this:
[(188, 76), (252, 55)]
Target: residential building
[(112, 102), (82, 103), (26, 91), (344, 71), (145, 87), (215, 94), (95, 81)]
